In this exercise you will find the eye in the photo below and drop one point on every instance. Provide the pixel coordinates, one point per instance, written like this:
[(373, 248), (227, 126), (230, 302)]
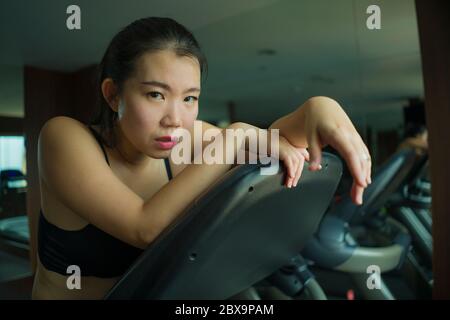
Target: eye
[(154, 94), (194, 99)]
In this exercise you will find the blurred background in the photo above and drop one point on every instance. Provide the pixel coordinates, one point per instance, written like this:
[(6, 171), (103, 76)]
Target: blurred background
[(266, 57)]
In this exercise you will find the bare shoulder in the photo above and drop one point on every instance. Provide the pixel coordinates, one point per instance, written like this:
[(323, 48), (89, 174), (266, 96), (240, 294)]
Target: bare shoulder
[(62, 126), (72, 165), (60, 133)]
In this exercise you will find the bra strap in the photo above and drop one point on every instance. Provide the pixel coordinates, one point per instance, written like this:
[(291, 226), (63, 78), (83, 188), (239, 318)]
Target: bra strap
[(97, 137), (169, 171)]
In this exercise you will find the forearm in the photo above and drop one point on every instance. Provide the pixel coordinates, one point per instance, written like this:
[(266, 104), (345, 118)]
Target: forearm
[(187, 186), (293, 125), (257, 141), (290, 126)]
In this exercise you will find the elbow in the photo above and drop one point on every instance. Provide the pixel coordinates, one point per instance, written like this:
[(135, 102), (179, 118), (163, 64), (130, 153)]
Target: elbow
[(318, 98), (146, 236), (235, 125), (147, 232), (321, 99)]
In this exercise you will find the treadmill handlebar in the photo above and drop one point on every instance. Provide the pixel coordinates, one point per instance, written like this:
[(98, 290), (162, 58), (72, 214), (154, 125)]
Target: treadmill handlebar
[(333, 247)]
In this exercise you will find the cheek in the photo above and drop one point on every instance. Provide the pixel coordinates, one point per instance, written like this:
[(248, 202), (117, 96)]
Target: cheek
[(189, 117), (141, 115), (140, 122)]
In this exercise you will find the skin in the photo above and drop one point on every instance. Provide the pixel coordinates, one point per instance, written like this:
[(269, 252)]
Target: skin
[(141, 115), (137, 181), (419, 143)]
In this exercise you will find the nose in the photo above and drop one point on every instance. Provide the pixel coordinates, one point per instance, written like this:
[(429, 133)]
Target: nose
[(172, 118)]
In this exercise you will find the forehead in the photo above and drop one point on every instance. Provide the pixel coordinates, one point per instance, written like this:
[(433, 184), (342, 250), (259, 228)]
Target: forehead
[(168, 67)]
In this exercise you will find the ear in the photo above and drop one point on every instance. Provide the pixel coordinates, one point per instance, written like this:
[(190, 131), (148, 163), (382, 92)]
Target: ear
[(110, 93)]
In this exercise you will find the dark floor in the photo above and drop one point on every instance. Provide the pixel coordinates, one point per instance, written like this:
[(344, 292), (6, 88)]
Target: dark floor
[(15, 277)]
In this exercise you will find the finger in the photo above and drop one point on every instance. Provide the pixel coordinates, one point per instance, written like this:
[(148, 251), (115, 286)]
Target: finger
[(341, 143), (295, 164), (356, 194), (304, 153), (315, 152), (369, 164), (289, 171), (361, 153), (299, 170), (366, 161)]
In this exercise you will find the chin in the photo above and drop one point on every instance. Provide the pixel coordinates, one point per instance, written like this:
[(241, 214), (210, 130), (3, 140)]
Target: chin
[(159, 154)]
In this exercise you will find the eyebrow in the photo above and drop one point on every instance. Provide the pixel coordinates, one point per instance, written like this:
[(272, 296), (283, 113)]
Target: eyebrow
[(167, 87)]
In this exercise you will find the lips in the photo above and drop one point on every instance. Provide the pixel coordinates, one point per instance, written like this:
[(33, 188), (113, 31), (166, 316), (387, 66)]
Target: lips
[(166, 142), (167, 139)]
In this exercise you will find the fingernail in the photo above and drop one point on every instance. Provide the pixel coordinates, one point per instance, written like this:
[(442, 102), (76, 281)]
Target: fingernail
[(320, 166), (295, 184), (314, 166)]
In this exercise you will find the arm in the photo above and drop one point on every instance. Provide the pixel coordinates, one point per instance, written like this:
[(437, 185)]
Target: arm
[(174, 197), (292, 157), (321, 121), (79, 177)]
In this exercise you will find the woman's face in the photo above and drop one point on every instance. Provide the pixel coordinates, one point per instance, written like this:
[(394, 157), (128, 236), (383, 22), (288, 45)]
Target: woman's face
[(160, 97)]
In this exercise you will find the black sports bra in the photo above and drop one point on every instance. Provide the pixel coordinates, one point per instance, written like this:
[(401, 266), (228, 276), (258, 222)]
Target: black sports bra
[(94, 251)]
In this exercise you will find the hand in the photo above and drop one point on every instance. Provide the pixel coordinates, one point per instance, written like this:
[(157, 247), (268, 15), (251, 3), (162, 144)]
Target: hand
[(326, 123), (294, 160)]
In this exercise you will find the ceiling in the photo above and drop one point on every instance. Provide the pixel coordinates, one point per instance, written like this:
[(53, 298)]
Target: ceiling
[(323, 47)]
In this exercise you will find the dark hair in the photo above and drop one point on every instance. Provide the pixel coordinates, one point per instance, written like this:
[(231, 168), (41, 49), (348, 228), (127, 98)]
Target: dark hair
[(414, 129), (141, 36)]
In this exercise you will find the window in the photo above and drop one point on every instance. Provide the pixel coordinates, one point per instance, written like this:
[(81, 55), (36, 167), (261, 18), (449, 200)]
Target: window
[(12, 153)]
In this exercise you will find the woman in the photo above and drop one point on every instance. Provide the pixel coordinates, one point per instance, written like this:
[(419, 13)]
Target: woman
[(105, 192)]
